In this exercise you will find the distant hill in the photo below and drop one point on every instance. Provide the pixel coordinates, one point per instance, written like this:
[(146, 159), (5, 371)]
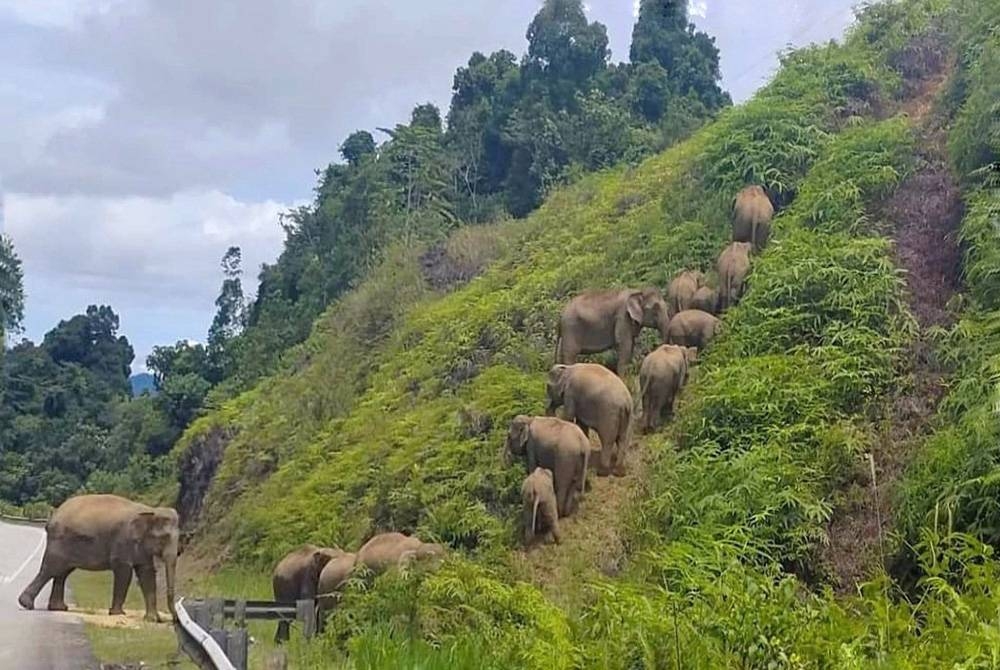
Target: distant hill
[(141, 383)]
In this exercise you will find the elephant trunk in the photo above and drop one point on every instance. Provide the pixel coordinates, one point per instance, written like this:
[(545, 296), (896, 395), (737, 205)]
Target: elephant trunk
[(663, 325)]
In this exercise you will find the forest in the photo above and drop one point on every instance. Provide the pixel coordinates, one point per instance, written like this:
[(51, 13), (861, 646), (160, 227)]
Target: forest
[(826, 493), (516, 128)]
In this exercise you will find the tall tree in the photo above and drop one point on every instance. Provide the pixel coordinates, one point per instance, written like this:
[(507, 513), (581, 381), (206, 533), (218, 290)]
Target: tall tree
[(565, 51), (663, 35), (230, 318), (11, 290)]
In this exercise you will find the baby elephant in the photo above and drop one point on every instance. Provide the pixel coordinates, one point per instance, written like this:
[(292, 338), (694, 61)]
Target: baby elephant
[(706, 299), (554, 444), (664, 371), (682, 290), (296, 577), (539, 512), (693, 328)]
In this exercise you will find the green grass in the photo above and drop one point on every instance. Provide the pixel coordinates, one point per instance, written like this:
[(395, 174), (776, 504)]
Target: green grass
[(391, 415)]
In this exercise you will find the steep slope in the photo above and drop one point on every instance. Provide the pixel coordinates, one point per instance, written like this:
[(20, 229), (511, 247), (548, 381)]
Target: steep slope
[(711, 553)]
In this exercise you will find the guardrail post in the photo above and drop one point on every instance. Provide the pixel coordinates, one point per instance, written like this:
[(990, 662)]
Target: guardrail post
[(237, 647), (306, 613), (240, 613)]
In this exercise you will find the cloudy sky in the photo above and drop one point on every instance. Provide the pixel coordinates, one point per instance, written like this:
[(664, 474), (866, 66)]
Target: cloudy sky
[(141, 138)]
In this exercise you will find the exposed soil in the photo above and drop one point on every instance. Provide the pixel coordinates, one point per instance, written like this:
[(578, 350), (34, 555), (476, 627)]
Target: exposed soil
[(923, 216), (592, 538), (198, 465)]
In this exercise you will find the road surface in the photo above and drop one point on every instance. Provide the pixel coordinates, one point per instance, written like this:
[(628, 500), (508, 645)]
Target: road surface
[(36, 640)]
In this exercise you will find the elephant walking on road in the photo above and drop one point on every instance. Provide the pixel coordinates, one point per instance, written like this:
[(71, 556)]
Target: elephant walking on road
[(296, 577), (539, 513), (752, 214), (662, 375), (557, 445), (600, 320), (595, 398), (106, 532)]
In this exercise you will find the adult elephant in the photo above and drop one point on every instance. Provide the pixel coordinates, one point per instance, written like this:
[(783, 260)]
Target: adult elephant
[(296, 577), (333, 576), (556, 445), (683, 288), (389, 550), (734, 266), (600, 320), (594, 398), (693, 328), (106, 532), (752, 214)]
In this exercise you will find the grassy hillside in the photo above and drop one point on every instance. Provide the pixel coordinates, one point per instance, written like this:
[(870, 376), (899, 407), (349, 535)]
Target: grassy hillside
[(398, 403)]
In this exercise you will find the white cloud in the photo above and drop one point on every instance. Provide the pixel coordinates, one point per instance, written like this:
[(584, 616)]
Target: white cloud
[(698, 8), (61, 13), (167, 249)]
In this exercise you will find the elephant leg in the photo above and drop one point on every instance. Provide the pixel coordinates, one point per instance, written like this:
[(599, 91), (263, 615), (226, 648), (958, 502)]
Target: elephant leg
[(282, 634), (46, 572), (57, 597), (146, 576), (563, 494), (567, 349), (123, 578), (607, 449)]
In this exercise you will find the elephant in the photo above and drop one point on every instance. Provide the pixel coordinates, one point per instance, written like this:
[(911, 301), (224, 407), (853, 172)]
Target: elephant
[(706, 299), (734, 266), (595, 398), (554, 444), (600, 320), (662, 374), (388, 550), (539, 505), (296, 577), (752, 214), (693, 328), (107, 532), (333, 576), (682, 290)]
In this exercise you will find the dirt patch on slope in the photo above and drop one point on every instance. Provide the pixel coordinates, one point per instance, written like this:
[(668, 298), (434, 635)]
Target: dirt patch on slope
[(923, 216), (592, 541)]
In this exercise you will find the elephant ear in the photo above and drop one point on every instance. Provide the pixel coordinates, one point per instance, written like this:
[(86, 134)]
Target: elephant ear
[(142, 530), (558, 379), (633, 306)]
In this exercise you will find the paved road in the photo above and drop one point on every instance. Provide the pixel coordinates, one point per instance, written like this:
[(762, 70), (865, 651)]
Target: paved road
[(37, 640)]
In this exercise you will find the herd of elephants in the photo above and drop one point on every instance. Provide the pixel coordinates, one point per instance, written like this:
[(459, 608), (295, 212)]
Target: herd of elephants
[(106, 532)]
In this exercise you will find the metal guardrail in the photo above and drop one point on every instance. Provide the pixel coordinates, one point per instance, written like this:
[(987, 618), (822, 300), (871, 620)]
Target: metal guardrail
[(203, 637)]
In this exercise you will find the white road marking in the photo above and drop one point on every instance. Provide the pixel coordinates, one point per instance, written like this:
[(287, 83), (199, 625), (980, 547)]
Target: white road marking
[(7, 579)]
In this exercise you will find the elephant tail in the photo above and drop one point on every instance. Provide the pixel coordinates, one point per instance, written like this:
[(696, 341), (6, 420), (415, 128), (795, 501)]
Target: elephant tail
[(625, 426), (534, 515)]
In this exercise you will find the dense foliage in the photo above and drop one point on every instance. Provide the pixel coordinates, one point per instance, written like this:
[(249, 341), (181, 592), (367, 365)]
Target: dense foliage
[(11, 289), (724, 565), (61, 409), (515, 129)]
